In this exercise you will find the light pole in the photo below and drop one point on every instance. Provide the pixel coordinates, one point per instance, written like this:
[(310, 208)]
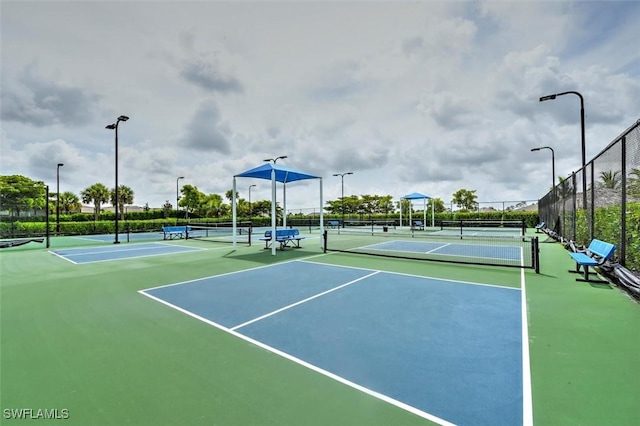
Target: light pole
[(114, 126), (250, 208), (553, 164), (177, 197), (342, 175), (58, 197), (584, 160)]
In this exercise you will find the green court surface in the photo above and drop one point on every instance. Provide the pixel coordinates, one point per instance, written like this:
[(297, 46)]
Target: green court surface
[(80, 339)]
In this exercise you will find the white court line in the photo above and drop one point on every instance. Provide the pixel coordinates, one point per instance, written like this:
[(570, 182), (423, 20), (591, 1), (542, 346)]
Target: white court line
[(62, 257), (119, 250), (303, 301), (527, 398), (438, 248), (413, 275), (312, 367)]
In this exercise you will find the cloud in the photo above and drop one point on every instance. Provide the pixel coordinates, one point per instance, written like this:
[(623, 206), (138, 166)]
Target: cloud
[(206, 76), (41, 102), (206, 131)]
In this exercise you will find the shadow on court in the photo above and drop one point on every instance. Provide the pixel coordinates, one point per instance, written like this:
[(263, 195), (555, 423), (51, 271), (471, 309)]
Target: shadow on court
[(264, 256)]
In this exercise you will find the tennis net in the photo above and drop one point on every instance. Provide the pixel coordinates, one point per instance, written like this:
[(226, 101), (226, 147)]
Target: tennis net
[(468, 226), (221, 232), (509, 251)]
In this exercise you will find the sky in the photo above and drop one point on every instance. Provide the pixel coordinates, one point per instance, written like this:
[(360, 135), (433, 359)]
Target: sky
[(421, 96)]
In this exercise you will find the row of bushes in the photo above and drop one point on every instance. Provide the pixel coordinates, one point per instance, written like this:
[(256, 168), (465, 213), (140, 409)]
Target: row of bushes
[(89, 217), (106, 226)]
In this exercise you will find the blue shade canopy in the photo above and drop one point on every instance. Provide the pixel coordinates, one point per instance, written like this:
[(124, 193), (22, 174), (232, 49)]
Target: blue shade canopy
[(415, 196), (283, 174)]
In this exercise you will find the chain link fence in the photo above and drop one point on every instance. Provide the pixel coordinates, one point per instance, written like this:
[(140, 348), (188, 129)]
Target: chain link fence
[(609, 207)]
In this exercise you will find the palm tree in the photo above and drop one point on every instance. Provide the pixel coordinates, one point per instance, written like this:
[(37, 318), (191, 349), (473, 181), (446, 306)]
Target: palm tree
[(125, 195), (69, 202), (212, 205), (610, 179), (97, 194), (633, 182)]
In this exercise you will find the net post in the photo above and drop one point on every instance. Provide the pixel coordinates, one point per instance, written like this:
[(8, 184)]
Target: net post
[(535, 253), (250, 232), (126, 227), (324, 241), (47, 232)]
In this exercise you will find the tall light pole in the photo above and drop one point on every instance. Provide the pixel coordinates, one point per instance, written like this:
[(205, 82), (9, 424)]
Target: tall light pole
[(584, 160), (553, 164), (250, 208), (342, 175), (58, 197), (114, 126)]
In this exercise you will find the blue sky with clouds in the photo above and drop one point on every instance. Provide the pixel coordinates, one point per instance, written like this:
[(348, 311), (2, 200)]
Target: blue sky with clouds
[(410, 96)]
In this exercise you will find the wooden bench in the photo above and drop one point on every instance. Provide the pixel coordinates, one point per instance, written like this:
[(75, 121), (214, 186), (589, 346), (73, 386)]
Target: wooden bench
[(596, 254), (540, 227), (417, 224), (175, 232), (333, 224), (286, 238)]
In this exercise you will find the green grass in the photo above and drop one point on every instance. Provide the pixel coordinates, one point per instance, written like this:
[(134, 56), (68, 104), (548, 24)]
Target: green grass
[(81, 337)]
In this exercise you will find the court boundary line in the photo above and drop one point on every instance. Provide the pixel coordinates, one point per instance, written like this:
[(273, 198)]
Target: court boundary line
[(300, 302), (527, 397), (191, 249), (306, 364), (435, 253), (414, 275)]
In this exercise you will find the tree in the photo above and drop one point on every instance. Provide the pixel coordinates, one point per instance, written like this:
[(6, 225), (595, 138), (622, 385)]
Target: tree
[(69, 202), (98, 194), (438, 205), (633, 182), (191, 198), (212, 205), (125, 195), (610, 180), (167, 207), (229, 195), (19, 193), (465, 199)]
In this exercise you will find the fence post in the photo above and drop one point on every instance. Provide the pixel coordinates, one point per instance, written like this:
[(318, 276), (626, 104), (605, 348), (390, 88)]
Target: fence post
[(623, 206)]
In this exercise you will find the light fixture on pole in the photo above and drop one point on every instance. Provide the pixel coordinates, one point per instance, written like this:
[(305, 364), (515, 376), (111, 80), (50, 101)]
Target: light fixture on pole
[(553, 164), (250, 208), (177, 197), (342, 175), (584, 161), (282, 157), (58, 197), (114, 126)]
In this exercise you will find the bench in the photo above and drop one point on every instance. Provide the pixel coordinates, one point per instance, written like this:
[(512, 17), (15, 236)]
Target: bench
[(417, 224), (539, 227), (596, 254), (333, 224), (175, 232), (286, 238)]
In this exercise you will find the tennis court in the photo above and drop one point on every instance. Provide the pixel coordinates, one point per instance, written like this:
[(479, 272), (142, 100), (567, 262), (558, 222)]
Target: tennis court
[(119, 252), (430, 349), (212, 334)]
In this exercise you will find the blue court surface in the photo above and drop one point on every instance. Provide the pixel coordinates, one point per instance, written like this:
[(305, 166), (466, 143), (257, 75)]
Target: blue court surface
[(451, 249), (449, 351), (137, 236), (119, 252)]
